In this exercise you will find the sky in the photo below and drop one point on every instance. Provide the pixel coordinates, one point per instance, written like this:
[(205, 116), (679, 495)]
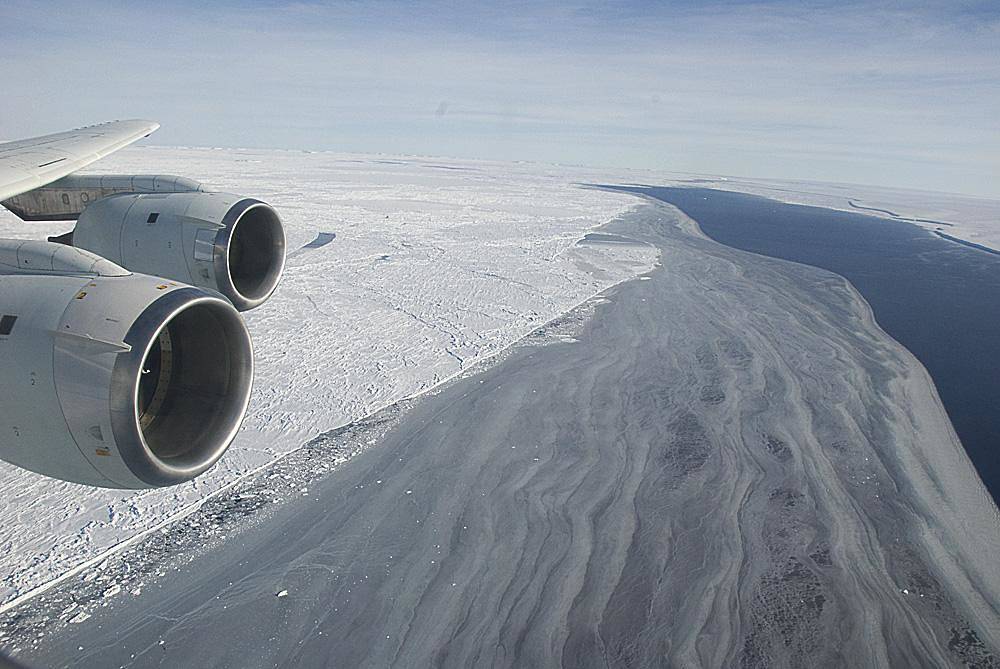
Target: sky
[(892, 94)]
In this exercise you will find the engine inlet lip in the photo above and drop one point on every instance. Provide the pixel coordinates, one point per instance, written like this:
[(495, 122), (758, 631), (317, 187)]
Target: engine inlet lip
[(135, 452), (223, 240)]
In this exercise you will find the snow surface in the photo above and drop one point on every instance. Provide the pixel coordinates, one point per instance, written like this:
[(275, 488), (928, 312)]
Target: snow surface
[(432, 267), (420, 268)]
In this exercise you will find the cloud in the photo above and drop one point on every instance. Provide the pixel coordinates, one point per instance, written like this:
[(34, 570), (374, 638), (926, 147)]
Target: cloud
[(890, 94)]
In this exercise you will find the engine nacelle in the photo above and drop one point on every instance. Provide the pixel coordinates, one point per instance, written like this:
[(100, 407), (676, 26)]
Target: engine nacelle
[(66, 198), (225, 242), (115, 379)]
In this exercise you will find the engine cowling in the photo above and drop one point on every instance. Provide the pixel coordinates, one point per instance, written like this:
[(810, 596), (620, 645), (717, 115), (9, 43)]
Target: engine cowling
[(111, 378), (229, 243)]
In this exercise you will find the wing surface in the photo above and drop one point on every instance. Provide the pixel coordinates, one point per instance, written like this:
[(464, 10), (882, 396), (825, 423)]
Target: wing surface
[(29, 163)]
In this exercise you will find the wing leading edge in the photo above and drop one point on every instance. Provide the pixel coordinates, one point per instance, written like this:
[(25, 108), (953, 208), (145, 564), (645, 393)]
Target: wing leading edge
[(30, 163)]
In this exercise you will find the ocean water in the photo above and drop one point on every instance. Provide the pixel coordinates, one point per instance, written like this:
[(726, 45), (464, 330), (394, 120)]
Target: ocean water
[(938, 298)]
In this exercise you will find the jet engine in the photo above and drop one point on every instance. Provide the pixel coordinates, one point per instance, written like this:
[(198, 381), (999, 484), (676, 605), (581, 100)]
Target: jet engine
[(225, 242), (124, 380)]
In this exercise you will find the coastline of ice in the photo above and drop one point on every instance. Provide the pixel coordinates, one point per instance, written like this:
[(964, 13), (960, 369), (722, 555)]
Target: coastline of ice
[(965, 217)]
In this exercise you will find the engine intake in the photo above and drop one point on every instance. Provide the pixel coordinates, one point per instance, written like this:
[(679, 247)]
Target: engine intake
[(249, 253), (115, 379), (226, 242), (180, 394)]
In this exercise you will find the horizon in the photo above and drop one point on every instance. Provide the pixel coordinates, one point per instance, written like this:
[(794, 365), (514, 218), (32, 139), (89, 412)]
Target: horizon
[(148, 143), (875, 94)]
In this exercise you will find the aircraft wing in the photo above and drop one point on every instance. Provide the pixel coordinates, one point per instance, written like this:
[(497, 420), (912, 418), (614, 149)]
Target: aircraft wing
[(30, 163)]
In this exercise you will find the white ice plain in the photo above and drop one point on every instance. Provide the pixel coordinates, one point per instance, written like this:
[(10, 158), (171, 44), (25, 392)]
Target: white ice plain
[(433, 267), (436, 264)]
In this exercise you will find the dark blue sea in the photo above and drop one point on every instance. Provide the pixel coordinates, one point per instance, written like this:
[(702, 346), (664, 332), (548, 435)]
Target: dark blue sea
[(938, 298)]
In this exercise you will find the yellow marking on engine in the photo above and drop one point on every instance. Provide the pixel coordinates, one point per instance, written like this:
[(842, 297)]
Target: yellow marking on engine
[(102, 451), (82, 294)]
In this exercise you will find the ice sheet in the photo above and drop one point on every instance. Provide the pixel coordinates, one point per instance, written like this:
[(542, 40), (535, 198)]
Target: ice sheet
[(402, 272)]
